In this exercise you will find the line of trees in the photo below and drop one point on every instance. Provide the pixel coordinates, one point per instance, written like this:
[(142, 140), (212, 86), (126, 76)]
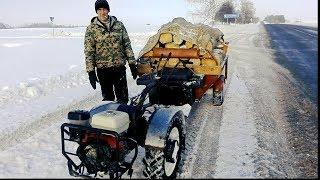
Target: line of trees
[(275, 19), (37, 25), (4, 26), (247, 14), (46, 25), (227, 7), (211, 11)]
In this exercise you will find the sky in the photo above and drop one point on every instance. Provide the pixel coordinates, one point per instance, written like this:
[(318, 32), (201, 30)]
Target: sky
[(303, 10), (136, 13)]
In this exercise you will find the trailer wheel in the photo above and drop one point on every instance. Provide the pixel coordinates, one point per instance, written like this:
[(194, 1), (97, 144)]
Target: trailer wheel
[(163, 163), (218, 98)]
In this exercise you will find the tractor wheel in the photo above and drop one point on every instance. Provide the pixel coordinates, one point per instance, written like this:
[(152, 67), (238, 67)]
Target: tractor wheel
[(164, 163), (218, 98)]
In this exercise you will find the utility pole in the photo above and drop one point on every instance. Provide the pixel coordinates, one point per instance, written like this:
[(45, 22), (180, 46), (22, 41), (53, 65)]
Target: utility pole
[(51, 19)]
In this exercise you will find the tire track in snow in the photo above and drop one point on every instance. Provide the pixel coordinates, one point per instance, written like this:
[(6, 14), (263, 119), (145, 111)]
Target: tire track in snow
[(194, 126), (24, 132), (202, 133), (206, 149), (237, 142), (87, 102)]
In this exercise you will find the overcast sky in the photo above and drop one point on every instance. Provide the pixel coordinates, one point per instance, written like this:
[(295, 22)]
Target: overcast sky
[(135, 12)]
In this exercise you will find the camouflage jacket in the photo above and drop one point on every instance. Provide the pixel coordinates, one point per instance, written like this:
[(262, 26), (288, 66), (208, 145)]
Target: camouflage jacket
[(107, 46)]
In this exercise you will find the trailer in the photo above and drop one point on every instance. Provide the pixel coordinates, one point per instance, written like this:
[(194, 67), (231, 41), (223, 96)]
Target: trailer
[(182, 49), (177, 67)]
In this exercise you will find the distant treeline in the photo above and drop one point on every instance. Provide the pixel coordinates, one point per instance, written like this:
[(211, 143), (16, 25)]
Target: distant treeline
[(47, 25), (38, 25), (275, 19), (4, 26)]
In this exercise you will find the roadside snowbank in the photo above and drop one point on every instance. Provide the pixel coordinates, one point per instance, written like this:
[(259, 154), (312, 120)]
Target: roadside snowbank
[(52, 78)]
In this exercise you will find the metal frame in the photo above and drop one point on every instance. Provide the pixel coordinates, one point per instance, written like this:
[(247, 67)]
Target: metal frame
[(73, 168)]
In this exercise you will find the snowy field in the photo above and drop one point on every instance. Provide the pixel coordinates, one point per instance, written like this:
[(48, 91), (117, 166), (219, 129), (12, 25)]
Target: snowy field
[(41, 72), (43, 77)]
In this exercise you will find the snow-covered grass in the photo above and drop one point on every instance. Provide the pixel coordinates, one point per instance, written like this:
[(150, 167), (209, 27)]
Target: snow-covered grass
[(237, 142), (40, 72), (305, 23), (43, 74)]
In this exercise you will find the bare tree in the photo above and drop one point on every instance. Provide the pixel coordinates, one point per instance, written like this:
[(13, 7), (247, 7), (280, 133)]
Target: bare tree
[(206, 11), (226, 8), (248, 10)]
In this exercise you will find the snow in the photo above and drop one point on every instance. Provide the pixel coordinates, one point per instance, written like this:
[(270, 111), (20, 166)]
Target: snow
[(237, 142), (42, 74), (38, 156), (45, 78), (305, 23)]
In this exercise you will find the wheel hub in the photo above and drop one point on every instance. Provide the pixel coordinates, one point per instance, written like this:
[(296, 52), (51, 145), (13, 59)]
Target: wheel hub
[(171, 153)]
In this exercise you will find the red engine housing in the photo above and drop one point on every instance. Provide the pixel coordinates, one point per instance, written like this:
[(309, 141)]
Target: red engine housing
[(110, 140)]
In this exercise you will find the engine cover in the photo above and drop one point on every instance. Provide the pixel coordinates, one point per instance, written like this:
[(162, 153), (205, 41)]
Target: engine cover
[(111, 120)]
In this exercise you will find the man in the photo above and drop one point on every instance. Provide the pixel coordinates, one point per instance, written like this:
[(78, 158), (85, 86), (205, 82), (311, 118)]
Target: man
[(107, 47)]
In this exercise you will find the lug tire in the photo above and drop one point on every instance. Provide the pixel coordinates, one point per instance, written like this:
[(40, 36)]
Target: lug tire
[(156, 165), (218, 98)]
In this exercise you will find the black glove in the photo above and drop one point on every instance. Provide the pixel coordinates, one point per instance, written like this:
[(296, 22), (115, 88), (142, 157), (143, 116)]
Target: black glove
[(134, 70), (93, 79)]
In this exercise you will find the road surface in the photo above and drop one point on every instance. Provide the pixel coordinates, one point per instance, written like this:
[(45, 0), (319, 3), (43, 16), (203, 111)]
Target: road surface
[(271, 96)]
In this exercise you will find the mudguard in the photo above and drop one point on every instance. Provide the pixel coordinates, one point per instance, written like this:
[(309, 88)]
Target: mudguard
[(159, 125)]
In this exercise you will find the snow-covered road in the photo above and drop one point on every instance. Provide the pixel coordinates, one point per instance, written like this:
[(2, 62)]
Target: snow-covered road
[(246, 137)]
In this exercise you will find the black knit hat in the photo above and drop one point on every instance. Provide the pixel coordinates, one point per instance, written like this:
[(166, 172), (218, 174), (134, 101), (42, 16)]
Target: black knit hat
[(101, 4)]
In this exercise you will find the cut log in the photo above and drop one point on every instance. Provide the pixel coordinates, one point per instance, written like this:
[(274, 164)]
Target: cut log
[(172, 62), (177, 39), (176, 53), (165, 38), (189, 45), (208, 62), (172, 45)]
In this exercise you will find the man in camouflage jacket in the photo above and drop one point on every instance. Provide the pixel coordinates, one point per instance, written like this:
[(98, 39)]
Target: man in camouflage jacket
[(107, 47)]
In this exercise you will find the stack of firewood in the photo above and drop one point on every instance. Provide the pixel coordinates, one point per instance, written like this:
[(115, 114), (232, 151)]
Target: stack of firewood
[(203, 64)]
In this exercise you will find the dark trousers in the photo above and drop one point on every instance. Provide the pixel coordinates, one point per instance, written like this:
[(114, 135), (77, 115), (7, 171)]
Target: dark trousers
[(113, 80)]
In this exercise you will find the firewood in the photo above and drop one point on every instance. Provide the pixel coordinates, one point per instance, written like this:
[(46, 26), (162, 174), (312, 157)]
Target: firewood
[(171, 45), (196, 62), (165, 38), (177, 39), (189, 45), (148, 54), (172, 62), (207, 55), (208, 62)]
